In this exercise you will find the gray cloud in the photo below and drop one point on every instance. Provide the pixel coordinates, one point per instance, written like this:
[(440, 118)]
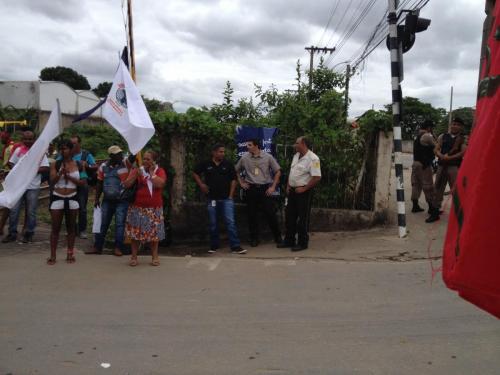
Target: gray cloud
[(187, 49), (59, 10)]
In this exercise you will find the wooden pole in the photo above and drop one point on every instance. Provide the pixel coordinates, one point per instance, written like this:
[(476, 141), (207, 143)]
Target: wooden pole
[(131, 39), (451, 108)]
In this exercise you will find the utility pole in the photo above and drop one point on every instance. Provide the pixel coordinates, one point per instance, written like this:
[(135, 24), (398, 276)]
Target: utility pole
[(396, 62), (346, 99), (311, 50), (131, 39)]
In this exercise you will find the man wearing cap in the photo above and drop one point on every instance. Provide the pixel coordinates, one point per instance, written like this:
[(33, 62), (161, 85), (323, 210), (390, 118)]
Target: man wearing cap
[(110, 177), (450, 150), (262, 174), (421, 170), (305, 174)]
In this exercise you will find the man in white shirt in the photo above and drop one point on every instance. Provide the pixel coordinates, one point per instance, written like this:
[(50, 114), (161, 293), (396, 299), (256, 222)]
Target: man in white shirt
[(30, 196), (305, 173)]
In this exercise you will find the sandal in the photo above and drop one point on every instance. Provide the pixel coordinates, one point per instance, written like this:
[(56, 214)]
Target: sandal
[(51, 261), (133, 262), (70, 257), (155, 262)]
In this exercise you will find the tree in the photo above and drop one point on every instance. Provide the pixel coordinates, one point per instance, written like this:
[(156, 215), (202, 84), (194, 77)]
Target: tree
[(465, 113), (415, 112), (67, 75), (102, 89)]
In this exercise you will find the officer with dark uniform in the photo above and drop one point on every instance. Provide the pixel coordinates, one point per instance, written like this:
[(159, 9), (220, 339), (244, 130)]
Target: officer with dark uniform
[(421, 170), (450, 150)]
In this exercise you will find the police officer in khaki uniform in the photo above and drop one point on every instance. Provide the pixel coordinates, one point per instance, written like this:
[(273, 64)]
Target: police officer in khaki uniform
[(450, 150), (305, 173), (421, 170), (259, 185)]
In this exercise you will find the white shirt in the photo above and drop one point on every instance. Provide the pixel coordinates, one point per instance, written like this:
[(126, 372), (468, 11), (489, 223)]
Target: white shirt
[(303, 169), (20, 153)]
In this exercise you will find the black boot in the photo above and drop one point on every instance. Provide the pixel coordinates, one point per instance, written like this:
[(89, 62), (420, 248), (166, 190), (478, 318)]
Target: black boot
[(416, 207), (434, 215)]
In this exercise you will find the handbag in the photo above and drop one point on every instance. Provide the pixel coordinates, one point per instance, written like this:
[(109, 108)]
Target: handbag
[(128, 194)]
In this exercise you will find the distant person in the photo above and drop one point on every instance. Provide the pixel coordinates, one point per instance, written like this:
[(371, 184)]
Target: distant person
[(83, 191), (110, 179), (450, 150), (65, 178), (421, 170), (219, 186), (8, 145), (262, 175), (305, 174), (145, 221), (30, 196)]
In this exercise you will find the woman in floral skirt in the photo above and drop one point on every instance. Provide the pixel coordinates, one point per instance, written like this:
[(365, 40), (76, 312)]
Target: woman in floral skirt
[(145, 215)]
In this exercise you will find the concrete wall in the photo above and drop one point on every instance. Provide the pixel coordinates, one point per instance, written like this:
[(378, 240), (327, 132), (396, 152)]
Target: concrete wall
[(72, 102), (407, 147), (20, 94), (42, 95), (384, 164), (190, 222)]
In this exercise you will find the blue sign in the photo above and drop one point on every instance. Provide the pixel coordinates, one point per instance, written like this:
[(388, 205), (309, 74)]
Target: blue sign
[(265, 135)]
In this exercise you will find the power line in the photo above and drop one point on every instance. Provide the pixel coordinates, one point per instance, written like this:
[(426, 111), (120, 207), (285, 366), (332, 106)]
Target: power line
[(332, 13), (381, 34)]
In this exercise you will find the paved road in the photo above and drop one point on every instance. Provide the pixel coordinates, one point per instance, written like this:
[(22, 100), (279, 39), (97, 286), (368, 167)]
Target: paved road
[(220, 315)]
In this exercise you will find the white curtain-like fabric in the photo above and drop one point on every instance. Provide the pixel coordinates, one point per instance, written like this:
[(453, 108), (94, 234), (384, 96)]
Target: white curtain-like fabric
[(125, 111), (20, 177)]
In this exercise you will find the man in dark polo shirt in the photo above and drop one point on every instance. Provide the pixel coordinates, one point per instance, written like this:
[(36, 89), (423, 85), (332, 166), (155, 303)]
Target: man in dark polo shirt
[(262, 174), (219, 187)]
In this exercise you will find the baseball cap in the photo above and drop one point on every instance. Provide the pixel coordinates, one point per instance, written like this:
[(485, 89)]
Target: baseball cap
[(113, 150)]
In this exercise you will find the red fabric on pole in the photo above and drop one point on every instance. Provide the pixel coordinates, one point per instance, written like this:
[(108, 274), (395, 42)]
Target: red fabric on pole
[(471, 258)]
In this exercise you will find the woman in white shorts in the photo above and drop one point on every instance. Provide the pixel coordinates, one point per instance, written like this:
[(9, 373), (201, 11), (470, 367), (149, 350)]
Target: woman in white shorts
[(64, 180)]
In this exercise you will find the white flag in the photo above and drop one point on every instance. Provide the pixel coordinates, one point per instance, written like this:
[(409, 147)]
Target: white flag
[(25, 170), (126, 112)]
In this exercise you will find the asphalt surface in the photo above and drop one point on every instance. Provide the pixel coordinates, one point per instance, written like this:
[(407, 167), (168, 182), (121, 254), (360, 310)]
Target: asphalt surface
[(362, 302), (236, 316)]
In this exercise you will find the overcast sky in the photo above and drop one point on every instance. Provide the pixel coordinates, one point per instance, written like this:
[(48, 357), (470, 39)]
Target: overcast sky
[(187, 49)]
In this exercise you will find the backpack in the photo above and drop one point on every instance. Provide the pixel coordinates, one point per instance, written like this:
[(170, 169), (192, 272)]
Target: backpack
[(111, 184)]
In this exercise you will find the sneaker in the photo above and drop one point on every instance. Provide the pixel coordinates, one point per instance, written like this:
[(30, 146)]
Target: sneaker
[(83, 235), (238, 250), (212, 250), (9, 238), (299, 247), (27, 238)]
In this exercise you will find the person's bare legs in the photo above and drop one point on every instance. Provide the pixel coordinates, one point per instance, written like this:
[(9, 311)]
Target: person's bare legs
[(134, 244), (71, 229), (154, 253), (56, 216)]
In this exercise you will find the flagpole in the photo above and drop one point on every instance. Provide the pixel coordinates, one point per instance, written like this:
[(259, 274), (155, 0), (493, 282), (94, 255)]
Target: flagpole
[(131, 39)]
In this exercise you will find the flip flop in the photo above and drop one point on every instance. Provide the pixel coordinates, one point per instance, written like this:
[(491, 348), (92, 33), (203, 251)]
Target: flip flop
[(133, 262), (70, 257), (155, 262)]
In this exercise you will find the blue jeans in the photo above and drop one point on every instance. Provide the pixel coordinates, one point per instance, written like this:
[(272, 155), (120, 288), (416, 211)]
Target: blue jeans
[(30, 199), (83, 197), (226, 208), (108, 209)]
